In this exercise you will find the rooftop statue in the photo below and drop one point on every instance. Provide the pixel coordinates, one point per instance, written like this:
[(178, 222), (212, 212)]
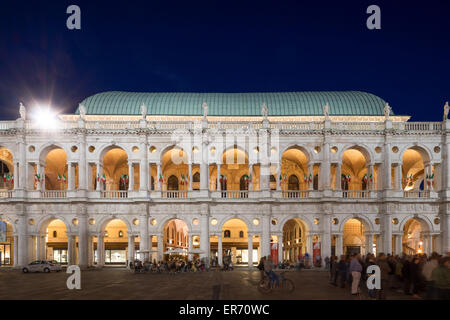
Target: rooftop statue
[(22, 111), (264, 110), (387, 111), (326, 111), (82, 109), (205, 110), (446, 110), (143, 111)]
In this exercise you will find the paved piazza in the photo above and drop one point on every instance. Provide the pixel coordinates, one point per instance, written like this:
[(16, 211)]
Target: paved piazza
[(119, 283)]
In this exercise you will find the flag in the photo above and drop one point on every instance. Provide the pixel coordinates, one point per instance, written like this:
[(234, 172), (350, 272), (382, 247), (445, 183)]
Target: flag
[(98, 177), (161, 179), (181, 180), (305, 178), (310, 178), (370, 178), (103, 179), (4, 177), (59, 177), (365, 178), (280, 179), (64, 177)]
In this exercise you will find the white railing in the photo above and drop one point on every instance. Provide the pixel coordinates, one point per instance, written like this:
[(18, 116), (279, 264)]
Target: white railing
[(355, 194), (417, 126), (5, 125), (358, 126), (54, 194), (174, 194), (416, 194), (234, 194), (114, 125), (6, 194), (114, 194), (295, 194)]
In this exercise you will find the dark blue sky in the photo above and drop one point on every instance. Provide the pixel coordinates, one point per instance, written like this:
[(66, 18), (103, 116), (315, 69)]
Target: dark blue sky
[(225, 46)]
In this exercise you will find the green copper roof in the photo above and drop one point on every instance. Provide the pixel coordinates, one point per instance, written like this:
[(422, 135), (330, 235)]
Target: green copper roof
[(234, 104)]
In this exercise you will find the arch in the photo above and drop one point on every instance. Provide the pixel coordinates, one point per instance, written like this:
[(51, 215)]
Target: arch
[(48, 147), (293, 182), (308, 224), (172, 183), (224, 220), (425, 223), (8, 221), (42, 224), (368, 226), (424, 152), (234, 147), (171, 147), (365, 150), (108, 147), (7, 157), (167, 219), (299, 148), (106, 220)]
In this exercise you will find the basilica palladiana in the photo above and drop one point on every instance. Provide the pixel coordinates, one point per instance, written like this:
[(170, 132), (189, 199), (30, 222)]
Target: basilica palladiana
[(222, 176)]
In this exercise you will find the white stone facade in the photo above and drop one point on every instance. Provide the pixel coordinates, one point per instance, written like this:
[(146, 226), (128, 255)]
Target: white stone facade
[(383, 207)]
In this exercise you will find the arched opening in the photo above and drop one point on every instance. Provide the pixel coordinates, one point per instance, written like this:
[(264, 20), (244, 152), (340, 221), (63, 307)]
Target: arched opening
[(413, 170), (294, 241), (116, 251), (175, 240), (413, 240), (354, 238), (56, 170), (273, 182), (175, 169), (234, 171), (196, 181), (115, 170), (354, 172), (6, 244), (56, 243), (172, 183), (294, 164), (6, 169), (235, 244)]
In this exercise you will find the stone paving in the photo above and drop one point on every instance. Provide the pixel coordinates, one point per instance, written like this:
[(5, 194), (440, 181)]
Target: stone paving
[(119, 283)]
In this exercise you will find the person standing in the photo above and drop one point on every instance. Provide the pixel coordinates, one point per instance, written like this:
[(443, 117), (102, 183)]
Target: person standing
[(406, 275), (441, 278), (428, 268), (355, 270), (385, 270), (415, 277), (342, 270)]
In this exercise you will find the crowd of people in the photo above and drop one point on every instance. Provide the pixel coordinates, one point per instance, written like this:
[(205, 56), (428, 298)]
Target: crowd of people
[(421, 276), (176, 265)]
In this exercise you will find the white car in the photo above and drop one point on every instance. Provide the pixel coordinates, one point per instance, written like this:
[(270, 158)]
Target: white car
[(42, 266)]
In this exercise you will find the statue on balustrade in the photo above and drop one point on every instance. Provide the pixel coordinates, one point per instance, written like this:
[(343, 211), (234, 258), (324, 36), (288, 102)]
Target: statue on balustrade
[(387, 111), (205, 110), (82, 111), (264, 111), (326, 111), (446, 109), (143, 111)]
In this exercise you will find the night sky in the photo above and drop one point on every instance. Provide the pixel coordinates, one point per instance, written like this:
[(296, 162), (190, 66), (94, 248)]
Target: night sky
[(225, 46)]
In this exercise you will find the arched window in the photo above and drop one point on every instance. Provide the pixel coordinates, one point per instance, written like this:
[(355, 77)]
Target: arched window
[(196, 177), (55, 234), (316, 182), (241, 234), (273, 182), (243, 183), (293, 182), (172, 183), (152, 183), (227, 234)]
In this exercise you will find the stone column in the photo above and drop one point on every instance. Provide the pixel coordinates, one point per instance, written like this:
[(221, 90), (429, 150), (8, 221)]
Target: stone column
[(41, 174), (387, 183), (310, 173), (326, 238), (370, 185), (398, 244), (219, 249), (130, 249), (130, 176), (144, 235), (144, 176), (16, 175), (219, 185), (20, 175), (70, 247), (369, 242), (160, 246), (309, 248), (325, 167), (71, 176), (16, 257), (22, 241), (398, 177), (204, 169), (337, 179), (265, 235), (90, 251), (387, 233), (83, 240), (339, 248), (158, 174), (98, 175), (82, 165), (101, 249), (250, 175), (430, 172), (38, 247), (190, 247), (190, 176), (204, 237), (250, 250)]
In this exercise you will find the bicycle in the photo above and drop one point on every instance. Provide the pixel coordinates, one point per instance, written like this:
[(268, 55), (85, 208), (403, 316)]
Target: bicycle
[(266, 285)]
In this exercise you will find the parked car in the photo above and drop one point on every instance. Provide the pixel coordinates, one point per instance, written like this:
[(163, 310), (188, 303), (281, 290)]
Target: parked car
[(42, 266)]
